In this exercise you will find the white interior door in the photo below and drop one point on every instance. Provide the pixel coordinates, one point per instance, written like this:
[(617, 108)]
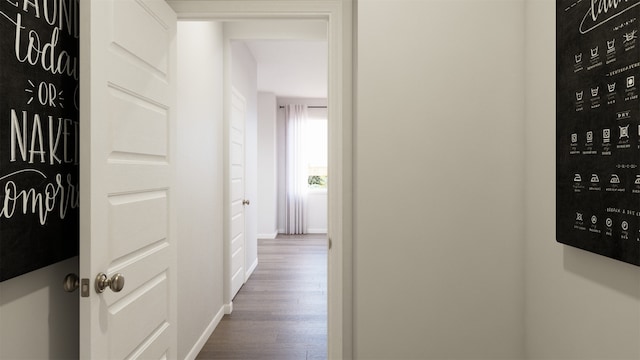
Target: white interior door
[(237, 199), (127, 170)]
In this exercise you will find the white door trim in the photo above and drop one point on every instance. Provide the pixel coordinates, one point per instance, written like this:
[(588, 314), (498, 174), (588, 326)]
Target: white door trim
[(339, 17)]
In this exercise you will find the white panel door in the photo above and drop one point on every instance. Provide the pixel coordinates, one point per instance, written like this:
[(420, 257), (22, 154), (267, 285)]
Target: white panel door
[(236, 189), (127, 170)]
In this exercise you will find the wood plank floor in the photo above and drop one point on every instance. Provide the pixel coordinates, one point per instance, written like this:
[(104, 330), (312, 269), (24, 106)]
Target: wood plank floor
[(281, 312)]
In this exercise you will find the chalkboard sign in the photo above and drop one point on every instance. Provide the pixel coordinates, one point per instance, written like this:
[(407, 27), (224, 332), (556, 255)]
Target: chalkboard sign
[(39, 134), (598, 127)]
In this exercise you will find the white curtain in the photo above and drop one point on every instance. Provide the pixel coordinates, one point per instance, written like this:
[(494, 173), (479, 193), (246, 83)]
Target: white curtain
[(296, 169)]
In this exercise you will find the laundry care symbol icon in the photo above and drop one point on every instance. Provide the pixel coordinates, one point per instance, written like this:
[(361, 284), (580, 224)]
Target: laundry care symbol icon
[(578, 216), (611, 87), (606, 135), (615, 179), (611, 46), (637, 182), (579, 95), (609, 222), (631, 81), (594, 52), (589, 136), (594, 219), (578, 57), (625, 225), (624, 131), (578, 178), (574, 138), (630, 36), (594, 178), (594, 91)]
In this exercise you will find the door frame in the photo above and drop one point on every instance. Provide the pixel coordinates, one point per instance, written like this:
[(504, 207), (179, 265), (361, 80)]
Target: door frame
[(339, 17)]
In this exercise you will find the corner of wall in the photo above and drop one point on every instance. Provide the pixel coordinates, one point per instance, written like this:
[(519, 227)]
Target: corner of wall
[(202, 340), (199, 199)]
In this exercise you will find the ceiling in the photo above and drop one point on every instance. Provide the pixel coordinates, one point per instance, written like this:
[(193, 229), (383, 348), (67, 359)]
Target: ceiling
[(291, 68)]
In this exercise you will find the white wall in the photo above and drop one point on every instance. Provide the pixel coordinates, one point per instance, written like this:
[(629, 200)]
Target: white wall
[(439, 180), (578, 305), (38, 320), (245, 79), (200, 182), (267, 167), (317, 202), (277, 30), (317, 211)]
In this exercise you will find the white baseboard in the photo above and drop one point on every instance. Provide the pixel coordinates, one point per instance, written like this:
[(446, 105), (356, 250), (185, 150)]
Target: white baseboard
[(251, 270), (268, 236), (195, 350), (316, 231), (228, 308)]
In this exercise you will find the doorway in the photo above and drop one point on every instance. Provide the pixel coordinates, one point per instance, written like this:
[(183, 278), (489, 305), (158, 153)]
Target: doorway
[(270, 73), (337, 16)]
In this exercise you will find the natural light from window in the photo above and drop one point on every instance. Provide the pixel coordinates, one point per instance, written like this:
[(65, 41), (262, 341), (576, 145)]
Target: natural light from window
[(318, 150)]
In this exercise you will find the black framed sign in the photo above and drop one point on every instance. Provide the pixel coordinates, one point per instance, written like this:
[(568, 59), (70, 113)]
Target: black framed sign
[(598, 126), (39, 133)]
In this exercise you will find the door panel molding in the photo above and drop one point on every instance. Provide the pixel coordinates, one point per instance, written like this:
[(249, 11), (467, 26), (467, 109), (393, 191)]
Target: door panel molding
[(127, 222)]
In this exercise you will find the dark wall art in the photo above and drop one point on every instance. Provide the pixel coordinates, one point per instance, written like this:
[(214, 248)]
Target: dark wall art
[(39, 134), (598, 127)]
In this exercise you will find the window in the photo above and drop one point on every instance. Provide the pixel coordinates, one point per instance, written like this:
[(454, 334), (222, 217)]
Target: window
[(317, 128)]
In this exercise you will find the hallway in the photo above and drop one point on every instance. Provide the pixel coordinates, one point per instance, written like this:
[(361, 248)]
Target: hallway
[(281, 311)]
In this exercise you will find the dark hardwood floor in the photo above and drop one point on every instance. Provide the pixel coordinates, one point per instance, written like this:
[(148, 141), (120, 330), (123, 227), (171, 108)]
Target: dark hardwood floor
[(281, 312)]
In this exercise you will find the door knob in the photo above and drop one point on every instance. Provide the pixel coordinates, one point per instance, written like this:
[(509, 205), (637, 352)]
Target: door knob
[(245, 202), (116, 283), (71, 283)]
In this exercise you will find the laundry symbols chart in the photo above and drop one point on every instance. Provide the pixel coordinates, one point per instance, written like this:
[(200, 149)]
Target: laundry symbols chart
[(598, 127), (39, 134)]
